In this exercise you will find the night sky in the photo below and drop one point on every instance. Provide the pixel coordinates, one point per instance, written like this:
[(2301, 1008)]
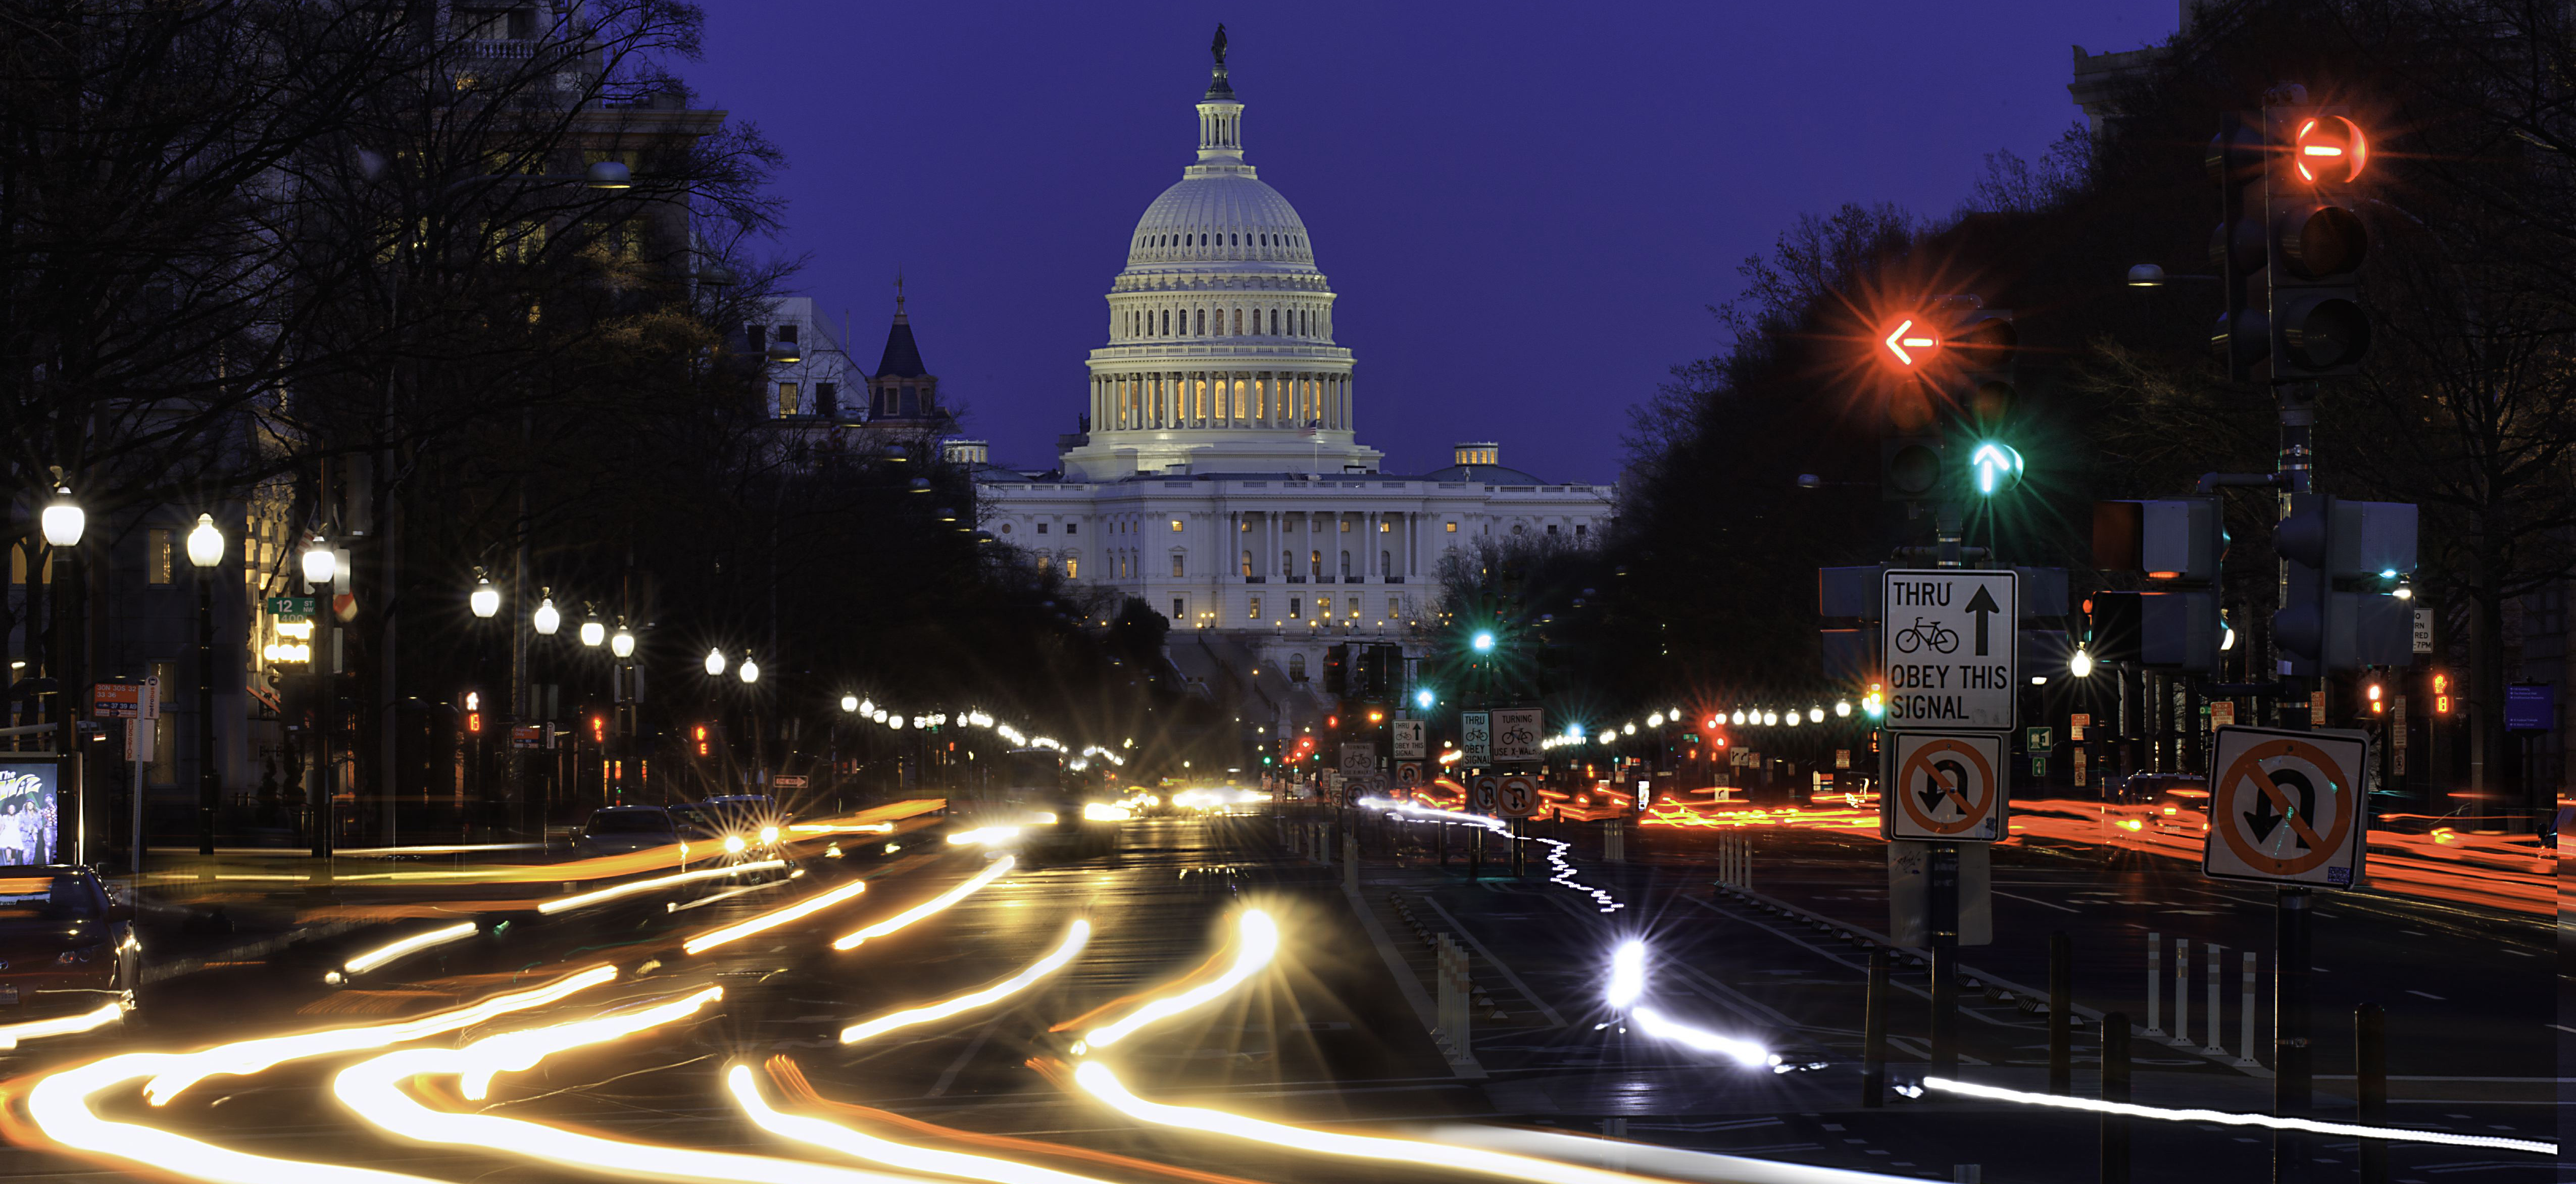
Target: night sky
[(1526, 209)]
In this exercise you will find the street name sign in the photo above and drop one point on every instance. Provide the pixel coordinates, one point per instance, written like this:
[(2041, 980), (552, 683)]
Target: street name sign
[(1476, 736), (2288, 807), (1949, 648), (1946, 786), (1515, 736)]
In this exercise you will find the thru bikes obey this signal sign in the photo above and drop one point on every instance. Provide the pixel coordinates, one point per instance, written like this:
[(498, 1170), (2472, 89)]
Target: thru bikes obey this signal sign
[(1948, 646)]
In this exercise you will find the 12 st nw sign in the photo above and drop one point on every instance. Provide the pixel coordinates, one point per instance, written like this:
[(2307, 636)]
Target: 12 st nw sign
[(1947, 645)]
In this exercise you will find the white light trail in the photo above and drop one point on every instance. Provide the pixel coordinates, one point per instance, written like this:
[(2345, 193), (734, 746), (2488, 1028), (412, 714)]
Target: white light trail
[(987, 835), (1627, 992), (60, 1107), (1074, 939), (833, 1136), (242, 1058), (418, 941), (604, 895), (2229, 1118), (936, 904), (518, 1052), (1671, 1163), (1564, 877), (1627, 975), (67, 1025), (775, 917), (1258, 941)]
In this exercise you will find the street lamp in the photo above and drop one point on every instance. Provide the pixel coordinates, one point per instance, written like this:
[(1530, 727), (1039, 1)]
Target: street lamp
[(205, 550), (63, 519), (608, 175), (750, 670), (485, 599), (1483, 642), (622, 643), (320, 566), (592, 632), (2081, 665), (715, 663), (850, 704), (547, 618)]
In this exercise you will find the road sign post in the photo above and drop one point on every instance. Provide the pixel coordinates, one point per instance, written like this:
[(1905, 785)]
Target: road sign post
[(1476, 737), (1948, 662), (1516, 736)]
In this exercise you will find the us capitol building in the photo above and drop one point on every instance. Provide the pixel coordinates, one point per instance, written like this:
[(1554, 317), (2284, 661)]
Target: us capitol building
[(1220, 477)]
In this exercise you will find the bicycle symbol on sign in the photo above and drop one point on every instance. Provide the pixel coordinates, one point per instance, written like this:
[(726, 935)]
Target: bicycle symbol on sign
[(1923, 633), (1515, 739)]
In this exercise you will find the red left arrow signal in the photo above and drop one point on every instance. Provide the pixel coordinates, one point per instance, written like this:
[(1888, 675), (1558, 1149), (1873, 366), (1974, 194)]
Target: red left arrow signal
[(1909, 335)]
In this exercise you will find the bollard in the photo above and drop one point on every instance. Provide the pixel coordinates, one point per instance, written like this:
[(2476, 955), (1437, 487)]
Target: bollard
[(2115, 1088), (2061, 1013), (2155, 981), (1444, 842), (2217, 1021), (2182, 993), (1351, 863), (2245, 1041), (2370, 1085), (1873, 1038)]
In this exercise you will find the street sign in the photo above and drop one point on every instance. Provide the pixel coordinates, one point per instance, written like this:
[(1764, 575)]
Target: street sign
[(2075, 725), (1947, 786), (1516, 733), (1950, 648), (788, 781), (2222, 713), (1408, 775), (1409, 742), (527, 736), (2423, 631), (291, 606), (1842, 758), (2041, 738), (2530, 707), (116, 700), (1484, 793), (1476, 736), (1517, 796), (152, 697), (1359, 758), (1366, 786), (2288, 806)]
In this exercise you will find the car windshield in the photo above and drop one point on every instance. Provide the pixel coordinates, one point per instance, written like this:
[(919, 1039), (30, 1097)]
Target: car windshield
[(630, 822), (49, 898)]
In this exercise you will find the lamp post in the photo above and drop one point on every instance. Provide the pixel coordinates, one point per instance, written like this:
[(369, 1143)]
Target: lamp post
[(62, 523), (205, 552), (321, 567), (484, 599)]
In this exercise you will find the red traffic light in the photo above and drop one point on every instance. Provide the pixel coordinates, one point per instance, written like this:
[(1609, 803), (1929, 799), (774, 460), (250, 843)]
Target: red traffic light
[(2441, 694), (2329, 149), (1909, 341)]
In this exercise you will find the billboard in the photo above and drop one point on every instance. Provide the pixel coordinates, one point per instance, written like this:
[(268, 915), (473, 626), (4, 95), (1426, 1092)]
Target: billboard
[(27, 817)]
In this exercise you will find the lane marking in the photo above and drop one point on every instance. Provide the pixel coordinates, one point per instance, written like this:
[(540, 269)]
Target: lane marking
[(1497, 963)]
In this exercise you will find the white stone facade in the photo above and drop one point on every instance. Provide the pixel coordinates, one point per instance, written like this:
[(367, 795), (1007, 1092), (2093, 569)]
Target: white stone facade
[(1221, 479)]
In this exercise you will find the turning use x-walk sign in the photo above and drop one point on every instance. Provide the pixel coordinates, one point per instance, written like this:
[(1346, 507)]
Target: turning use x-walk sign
[(2288, 807), (1946, 786)]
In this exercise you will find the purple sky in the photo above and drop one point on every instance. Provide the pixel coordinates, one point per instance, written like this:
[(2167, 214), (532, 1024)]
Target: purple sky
[(1526, 209)]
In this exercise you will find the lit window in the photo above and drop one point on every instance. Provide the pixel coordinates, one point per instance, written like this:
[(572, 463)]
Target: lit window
[(1176, 526), (1453, 526), (1296, 608), (1176, 567), (1346, 526), (1247, 525), (1180, 608), (160, 556), (1254, 612), (1070, 565), (1324, 607), (1247, 569), (1394, 607), (1384, 526), (787, 401)]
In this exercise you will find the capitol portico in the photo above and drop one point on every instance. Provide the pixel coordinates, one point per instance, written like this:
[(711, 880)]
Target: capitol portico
[(1219, 476)]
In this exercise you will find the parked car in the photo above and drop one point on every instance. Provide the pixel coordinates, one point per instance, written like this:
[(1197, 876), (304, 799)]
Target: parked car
[(616, 830), (65, 948)]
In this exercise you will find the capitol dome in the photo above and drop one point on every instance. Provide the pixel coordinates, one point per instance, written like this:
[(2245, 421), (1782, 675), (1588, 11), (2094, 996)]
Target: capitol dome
[(1221, 355)]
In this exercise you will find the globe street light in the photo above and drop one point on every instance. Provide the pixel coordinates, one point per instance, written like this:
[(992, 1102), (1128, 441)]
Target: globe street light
[(547, 618), (485, 599), (622, 643), (715, 663), (750, 670), (850, 703), (592, 632), (2081, 665), (63, 519), (205, 550)]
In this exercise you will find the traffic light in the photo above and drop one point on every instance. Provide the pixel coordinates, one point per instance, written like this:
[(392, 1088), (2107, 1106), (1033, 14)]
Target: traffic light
[(1909, 348), (2181, 543), (2327, 541), (1993, 467), (2238, 248), (1337, 670), (2316, 243), (2441, 693), (1986, 348), (2375, 694), (598, 729), (1910, 468), (701, 740)]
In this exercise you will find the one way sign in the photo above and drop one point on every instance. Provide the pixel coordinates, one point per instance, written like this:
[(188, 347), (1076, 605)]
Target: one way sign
[(1948, 645)]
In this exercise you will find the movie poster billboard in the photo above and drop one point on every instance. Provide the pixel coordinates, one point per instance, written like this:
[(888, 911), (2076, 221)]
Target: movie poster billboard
[(27, 815)]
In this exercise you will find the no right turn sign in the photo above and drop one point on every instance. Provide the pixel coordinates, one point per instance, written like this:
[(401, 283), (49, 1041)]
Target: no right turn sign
[(2288, 807)]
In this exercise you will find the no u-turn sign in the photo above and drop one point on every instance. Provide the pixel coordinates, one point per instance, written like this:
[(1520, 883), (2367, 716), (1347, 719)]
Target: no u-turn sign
[(2288, 807)]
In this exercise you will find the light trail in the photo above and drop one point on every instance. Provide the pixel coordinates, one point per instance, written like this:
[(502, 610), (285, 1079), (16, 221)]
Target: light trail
[(66, 1025), (604, 895), (518, 1052), (1075, 938), (418, 941), (178, 1071), (2228, 1118), (986, 835), (775, 918), (936, 904), (60, 1107), (1627, 992), (835, 1137), (373, 1090), (1100, 1082), (1259, 938), (1564, 877), (1670, 1162)]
